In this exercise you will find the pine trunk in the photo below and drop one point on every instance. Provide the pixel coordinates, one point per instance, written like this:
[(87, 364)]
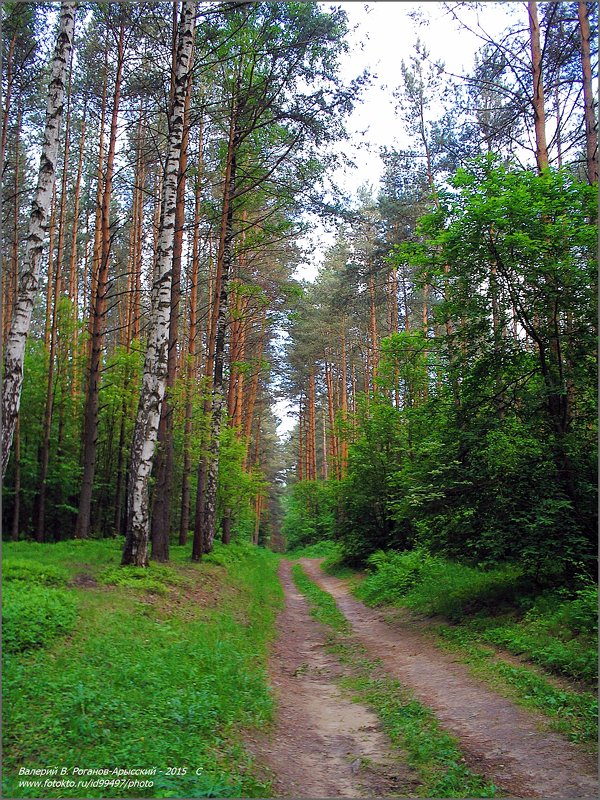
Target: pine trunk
[(224, 261), (539, 113), (591, 135), (192, 365), (98, 316)]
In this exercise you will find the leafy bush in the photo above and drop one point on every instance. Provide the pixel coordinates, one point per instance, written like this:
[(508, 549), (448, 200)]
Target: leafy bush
[(325, 549), (32, 616), (392, 576), (34, 572), (433, 585), (454, 590), (310, 512)]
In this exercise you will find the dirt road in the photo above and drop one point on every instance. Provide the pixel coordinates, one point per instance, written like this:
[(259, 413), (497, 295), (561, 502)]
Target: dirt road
[(500, 740), (323, 745)]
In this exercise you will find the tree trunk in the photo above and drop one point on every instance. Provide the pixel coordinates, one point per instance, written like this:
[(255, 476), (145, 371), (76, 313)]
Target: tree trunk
[(161, 511), (155, 365), (192, 361), (224, 259), (539, 112), (98, 314), (591, 135), (28, 285), (49, 408), (12, 279)]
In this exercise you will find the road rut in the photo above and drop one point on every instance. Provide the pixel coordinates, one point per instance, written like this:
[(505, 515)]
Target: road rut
[(499, 739)]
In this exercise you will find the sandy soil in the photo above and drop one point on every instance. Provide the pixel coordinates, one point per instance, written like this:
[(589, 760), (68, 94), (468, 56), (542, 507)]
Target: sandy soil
[(500, 740)]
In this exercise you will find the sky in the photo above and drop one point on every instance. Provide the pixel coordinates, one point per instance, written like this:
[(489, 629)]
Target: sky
[(383, 35)]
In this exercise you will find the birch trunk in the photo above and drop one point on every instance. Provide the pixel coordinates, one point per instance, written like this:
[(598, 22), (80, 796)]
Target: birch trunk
[(155, 364), (36, 234)]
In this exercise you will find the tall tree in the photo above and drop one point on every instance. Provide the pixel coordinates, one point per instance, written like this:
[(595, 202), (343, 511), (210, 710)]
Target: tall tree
[(155, 364), (29, 279)]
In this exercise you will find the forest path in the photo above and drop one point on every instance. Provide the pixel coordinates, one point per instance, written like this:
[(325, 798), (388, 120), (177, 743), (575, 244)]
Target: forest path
[(499, 740), (322, 745)]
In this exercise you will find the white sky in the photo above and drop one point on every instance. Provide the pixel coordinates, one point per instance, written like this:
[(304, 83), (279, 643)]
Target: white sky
[(385, 35)]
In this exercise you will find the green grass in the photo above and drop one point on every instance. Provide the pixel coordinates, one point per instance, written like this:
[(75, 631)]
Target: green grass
[(148, 679), (434, 754)]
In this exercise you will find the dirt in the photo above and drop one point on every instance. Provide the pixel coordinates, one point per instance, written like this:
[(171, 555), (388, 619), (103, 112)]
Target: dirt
[(322, 744), (500, 740)]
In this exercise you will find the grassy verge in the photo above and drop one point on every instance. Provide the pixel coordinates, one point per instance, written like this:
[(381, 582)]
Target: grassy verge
[(497, 612), (411, 726), (159, 671)]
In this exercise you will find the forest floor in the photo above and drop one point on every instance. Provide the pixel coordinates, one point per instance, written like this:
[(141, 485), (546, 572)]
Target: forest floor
[(324, 745)]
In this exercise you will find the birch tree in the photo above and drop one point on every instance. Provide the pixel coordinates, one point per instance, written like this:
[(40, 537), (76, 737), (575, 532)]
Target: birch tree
[(36, 233), (155, 364)]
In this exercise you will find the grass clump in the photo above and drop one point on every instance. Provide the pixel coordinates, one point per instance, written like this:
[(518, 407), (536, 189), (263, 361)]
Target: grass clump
[(434, 754), (323, 607), (557, 633), (33, 616), (144, 682)]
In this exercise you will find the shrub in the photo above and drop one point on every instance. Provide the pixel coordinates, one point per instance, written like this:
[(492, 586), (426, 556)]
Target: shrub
[(433, 585), (325, 549), (33, 572), (32, 616), (454, 590), (392, 576)]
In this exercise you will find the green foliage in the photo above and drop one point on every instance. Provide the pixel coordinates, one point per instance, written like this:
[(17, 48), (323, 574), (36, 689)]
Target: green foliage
[(310, 513), (392, 575), (432, 585), (156, 578), (148, 681), (33, 615), (323, 549), (560, 635), (490, 455), (33, 572)]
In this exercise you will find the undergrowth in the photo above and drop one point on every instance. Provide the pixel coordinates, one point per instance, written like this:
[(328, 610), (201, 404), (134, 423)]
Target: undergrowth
[(324, 549), (148, 680), (434, 754)]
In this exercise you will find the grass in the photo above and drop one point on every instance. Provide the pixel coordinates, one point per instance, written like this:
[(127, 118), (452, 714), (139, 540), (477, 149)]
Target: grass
[(496, 611), (145, 679), (434, 754)]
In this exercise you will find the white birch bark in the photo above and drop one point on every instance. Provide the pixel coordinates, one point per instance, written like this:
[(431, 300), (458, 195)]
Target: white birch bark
[(155, 364), (36, 234)]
